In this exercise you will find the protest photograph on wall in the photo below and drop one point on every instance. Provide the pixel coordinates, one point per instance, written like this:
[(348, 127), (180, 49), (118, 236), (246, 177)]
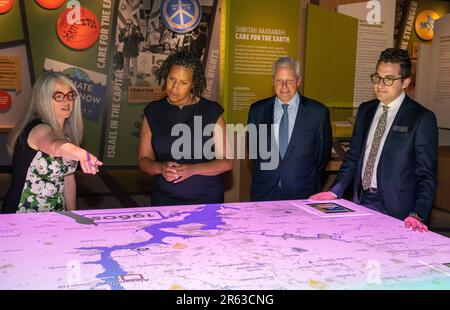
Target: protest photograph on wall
[(147, 31)]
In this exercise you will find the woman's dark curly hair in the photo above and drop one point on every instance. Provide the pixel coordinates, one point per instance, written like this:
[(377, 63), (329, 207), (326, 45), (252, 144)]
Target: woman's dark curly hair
[(187, 60)]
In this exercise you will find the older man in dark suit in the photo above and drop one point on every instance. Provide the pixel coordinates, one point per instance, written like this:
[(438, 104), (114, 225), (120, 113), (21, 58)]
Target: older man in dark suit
[(301, 137), (392, 158)]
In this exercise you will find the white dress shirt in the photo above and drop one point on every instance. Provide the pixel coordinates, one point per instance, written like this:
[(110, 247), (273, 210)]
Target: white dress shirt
[(394, 106)]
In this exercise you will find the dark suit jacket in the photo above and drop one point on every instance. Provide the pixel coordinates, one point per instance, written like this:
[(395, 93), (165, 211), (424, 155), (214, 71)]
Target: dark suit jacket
[(306, 157), (131, 41), (406, 172)]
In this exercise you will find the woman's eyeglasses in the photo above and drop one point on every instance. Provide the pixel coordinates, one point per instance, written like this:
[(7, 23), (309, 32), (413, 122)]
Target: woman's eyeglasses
[(59, 96)]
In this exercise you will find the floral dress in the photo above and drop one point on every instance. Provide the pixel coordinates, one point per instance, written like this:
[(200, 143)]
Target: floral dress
[(44, 184), (37, 179)]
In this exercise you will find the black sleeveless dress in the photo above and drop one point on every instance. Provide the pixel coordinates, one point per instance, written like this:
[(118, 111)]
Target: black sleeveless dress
[(162, 117)]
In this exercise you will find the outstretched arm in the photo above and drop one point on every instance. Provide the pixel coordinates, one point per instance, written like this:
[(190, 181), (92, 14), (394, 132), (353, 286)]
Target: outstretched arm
[(43, 139)]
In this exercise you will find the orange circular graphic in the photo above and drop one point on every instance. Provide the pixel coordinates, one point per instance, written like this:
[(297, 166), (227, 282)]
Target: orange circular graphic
[(6, 5), (50, 4), (424, 25), (5, 101), (80, 35)]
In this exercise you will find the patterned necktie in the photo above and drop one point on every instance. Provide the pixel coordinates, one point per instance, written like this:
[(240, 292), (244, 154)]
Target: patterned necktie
[(368, 171), (284, 131)]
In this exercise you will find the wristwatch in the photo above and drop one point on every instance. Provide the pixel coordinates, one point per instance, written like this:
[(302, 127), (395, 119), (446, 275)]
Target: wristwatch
[(416, 216)]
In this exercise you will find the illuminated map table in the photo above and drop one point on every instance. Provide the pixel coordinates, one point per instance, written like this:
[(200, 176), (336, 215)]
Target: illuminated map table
[(264, 245)]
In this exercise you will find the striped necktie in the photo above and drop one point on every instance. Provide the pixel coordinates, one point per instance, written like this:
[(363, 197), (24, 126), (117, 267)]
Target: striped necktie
[(284, 131)]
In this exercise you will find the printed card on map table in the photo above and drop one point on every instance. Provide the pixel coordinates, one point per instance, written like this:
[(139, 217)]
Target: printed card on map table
[(340, 208)]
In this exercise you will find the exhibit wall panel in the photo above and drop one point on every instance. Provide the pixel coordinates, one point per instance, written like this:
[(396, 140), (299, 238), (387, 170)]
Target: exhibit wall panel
[(418, 25), (11, 24), (375, 34), (330, 57), (439, 90), (257, 33), (131, 91)]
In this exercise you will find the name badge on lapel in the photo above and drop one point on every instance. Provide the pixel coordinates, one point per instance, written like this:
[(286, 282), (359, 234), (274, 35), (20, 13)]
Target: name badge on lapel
[(397, 128)]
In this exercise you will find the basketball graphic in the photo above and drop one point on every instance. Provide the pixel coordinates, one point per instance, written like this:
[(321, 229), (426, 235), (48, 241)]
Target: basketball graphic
[(50, 4), (81, 35), (5, 101), (6, 5)]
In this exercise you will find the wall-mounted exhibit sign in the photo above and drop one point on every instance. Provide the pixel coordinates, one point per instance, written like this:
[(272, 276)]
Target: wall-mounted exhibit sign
[(418, 26), (251, 41), (78, 36), (181, 15), (50, 4), (6, 5), (433, 73), (15, 87), (10, 75), (424, 25)]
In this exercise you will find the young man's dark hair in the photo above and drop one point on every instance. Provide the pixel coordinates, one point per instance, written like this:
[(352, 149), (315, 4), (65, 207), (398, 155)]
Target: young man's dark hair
[(397, 56)]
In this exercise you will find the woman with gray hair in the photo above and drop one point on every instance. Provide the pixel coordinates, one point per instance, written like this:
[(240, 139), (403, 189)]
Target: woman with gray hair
[(45, 149)]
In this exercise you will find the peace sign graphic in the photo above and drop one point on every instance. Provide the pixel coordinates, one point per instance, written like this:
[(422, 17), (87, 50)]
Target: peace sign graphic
[(181, 15)]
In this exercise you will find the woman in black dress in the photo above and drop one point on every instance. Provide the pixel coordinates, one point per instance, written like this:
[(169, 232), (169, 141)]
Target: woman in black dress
[(183, 139)]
